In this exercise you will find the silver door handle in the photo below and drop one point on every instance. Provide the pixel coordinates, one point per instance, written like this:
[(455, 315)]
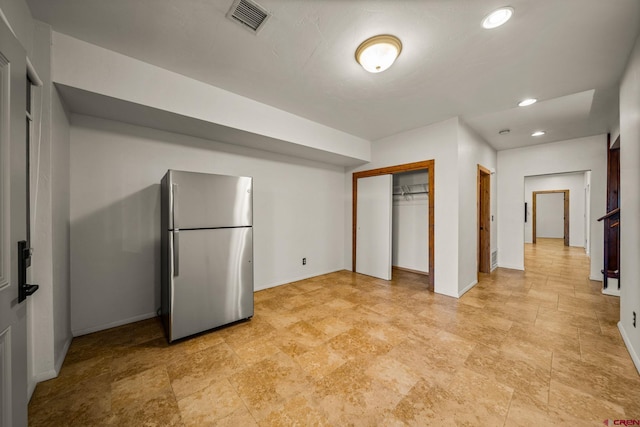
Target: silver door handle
[(174, 208), (176, 253)]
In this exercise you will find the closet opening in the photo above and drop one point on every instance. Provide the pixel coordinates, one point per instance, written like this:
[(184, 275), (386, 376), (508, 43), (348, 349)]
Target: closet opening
[(393, 221)]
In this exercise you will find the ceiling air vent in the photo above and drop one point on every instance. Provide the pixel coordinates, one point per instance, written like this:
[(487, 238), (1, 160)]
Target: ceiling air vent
[(249, 14)]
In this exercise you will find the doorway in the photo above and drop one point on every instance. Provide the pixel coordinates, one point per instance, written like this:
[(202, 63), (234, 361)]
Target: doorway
[(484, 220), (410, 206), (428, 166), (565, 212)]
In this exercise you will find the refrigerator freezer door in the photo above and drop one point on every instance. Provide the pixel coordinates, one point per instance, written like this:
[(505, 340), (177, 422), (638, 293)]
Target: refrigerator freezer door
[(201, 200), (215, 281)]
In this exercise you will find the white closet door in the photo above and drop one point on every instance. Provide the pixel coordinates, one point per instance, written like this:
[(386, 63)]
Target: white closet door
[(373, 243)]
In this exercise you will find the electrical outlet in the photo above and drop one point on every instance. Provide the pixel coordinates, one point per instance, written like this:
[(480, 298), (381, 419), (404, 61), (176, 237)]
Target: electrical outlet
[(634, 319), (304, 261)]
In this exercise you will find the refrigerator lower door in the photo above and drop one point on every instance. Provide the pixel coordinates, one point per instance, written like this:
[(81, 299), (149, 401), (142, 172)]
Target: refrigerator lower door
[(212, 279)]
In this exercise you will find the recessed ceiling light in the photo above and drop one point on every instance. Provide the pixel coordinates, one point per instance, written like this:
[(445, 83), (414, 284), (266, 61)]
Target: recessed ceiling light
[(378, 53), (504, 132), (527, 102), (497, 17), (538, 133)]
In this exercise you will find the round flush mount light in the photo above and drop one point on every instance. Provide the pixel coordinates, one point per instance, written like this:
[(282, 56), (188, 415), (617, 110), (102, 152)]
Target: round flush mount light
[(538, 133), (527, 102), (497, 17), (378, 53)]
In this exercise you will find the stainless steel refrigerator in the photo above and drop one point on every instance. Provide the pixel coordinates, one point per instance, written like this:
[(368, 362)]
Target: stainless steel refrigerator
[(207, 251)]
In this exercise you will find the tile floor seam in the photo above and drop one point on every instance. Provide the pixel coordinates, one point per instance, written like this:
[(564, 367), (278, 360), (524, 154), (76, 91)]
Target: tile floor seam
[(506, 418)]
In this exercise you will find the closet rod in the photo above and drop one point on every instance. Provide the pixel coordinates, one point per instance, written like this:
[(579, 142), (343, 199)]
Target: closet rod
[(410, 193)]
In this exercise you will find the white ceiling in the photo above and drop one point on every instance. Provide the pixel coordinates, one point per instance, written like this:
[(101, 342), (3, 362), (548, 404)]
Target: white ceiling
[(570, 54)]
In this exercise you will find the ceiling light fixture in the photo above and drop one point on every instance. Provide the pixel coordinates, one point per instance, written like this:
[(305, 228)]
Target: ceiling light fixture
[(497, 17), (527, 102), (504, 132), (378, 53), (538, 133)]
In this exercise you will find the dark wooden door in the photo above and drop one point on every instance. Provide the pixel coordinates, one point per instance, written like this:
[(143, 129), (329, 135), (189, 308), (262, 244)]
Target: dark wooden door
[(612, 218), (484, 220)]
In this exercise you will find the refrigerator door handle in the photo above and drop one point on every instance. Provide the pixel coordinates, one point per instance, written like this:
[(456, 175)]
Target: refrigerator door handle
[(176, 253), (174, 209)]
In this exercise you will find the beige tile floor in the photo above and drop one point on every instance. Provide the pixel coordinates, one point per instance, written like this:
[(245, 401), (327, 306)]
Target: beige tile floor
[(531, 348)]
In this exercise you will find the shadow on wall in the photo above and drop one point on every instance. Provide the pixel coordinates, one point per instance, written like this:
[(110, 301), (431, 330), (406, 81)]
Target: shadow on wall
[(194, 142), (115, 265)]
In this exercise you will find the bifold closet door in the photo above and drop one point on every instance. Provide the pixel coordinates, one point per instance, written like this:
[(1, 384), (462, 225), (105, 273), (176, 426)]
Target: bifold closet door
[(374, 224)]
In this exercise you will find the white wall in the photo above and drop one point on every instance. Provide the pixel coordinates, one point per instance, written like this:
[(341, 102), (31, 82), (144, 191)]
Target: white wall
[(575, 183), (587, 212), (40, 305), (630, 204), (550, 215), (615, 133), (115, 215), (410, 248), (20, 21), (49, 333), (559, 157), (472, 151), (438, 142), (49, 316), (457, 151), (60, 228)]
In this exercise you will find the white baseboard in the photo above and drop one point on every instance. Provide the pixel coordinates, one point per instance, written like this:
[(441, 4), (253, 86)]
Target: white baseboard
[(31, 387), (596, 279), (614, 292), (468, 288), (45, 376), (51, 373), (296, 279), (62, 355), (92, 329), (630, 349), (85, 331), (439, 292), (410, 270), (511, 267)]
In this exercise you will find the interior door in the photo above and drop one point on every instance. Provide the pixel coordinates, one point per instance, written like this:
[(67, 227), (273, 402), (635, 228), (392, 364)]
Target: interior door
[(374, 220), (566, 218), (484, 220), (13, 221)]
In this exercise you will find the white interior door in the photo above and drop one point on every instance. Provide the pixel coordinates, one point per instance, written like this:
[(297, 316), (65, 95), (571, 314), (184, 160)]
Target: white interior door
[(13, 208), (374, 219)]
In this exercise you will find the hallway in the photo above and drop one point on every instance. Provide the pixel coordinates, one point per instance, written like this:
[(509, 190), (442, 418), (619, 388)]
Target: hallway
[(539, 347)]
